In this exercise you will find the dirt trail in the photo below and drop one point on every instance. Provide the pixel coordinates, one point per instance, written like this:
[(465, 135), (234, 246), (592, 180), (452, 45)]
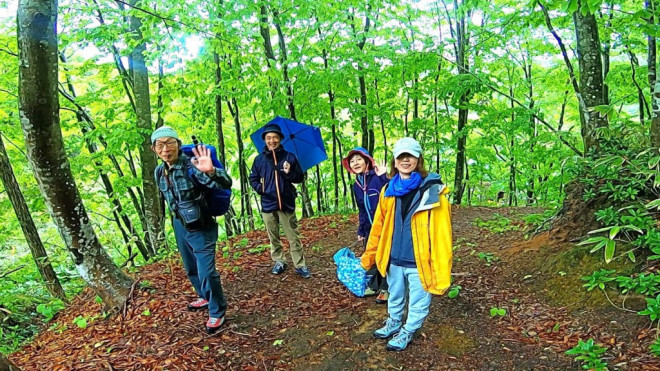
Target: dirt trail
[(285, 322)]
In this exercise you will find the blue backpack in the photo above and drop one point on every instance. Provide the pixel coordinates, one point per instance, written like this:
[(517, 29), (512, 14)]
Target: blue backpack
[(217, 200)]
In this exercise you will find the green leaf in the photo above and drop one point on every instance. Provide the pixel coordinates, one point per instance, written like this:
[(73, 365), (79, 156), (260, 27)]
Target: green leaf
[(614, 231), (329, 333), (278, 342), (609, 250)]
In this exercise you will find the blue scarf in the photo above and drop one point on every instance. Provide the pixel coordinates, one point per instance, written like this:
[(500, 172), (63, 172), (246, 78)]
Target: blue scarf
[(400, 187)]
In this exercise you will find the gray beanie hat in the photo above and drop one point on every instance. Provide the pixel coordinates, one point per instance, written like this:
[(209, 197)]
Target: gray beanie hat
[(162, 132)]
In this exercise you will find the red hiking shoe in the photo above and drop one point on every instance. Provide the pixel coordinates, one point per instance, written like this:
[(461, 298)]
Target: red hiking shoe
[(198, 304), (213, 324)]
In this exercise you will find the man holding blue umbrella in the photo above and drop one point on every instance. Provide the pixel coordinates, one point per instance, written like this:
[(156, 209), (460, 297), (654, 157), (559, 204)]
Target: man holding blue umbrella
[(272, 176)]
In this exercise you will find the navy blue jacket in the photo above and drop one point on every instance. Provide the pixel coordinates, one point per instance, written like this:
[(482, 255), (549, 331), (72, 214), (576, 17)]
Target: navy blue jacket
[(269, 180), (402, 253), (374, 185)]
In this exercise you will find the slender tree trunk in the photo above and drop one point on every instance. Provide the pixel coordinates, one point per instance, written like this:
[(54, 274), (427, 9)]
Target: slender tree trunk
[(246, 209), (333, 117), (27, 225), (152, 206), (654, 83), (367, 133), (382, 122), (591, 76), (461, 47), (221, 135), (39, 113)]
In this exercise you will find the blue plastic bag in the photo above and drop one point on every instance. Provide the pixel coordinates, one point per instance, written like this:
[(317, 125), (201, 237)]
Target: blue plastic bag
[(350, 272)]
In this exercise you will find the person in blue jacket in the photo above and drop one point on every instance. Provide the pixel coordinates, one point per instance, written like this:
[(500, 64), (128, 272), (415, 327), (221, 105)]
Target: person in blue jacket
[(369, 180), (272, 176)]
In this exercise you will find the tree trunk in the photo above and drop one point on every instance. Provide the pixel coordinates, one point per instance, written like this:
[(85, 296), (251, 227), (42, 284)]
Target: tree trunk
[(39, 114), (152, 205), (591, 77), (653, 81), (7, 365), (221, 135), (246, 209), (461, 60), (27, 225), (367, 133)]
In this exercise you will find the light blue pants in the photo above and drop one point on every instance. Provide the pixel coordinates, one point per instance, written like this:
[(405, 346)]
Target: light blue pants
[(402, 281)]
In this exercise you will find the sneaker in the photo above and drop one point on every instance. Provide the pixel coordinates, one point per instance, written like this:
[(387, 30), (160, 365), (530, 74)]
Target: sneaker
[(369, 292), (391, 327), (213, 324), (382, 297), (278, 268), (198, 304), (303, 272), (400, 341)]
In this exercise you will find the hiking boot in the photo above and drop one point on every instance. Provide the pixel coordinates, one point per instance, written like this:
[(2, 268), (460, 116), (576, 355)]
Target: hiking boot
[(391, 327), (303, 272), (213, 324), (369, 292), (400, 341), (278, 268), (382, 297), (198, 304)]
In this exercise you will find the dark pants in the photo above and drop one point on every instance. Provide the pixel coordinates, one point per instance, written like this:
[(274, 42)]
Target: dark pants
[(378, 282), (197, 250)]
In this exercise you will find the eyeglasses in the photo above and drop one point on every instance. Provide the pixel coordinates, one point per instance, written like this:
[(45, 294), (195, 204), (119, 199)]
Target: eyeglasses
[(171, 144)]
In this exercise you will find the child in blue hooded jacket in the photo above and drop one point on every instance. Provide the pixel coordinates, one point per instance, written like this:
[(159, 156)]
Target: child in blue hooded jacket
[(370, 179)]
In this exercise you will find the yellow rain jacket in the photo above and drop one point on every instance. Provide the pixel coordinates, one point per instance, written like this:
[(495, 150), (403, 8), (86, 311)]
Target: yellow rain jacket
[(431, 233)]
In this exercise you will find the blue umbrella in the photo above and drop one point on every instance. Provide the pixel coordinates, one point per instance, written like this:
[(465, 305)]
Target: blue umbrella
[(302, 140)]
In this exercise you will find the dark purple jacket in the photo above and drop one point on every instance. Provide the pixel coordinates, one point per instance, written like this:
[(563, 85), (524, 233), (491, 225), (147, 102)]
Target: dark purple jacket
[(374, 184)]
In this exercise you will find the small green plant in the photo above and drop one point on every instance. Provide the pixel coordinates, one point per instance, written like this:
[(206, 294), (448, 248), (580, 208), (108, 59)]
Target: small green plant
[(259, 249), (278, 342), (146, 285), (589, 354), (598, 279), (146, 313), (243, 242), (498, 224), (80, 321), (454, 291), (48, 310), (608, 242), (317, 248), (487, 257), (497, 312), (655, 348), (652, 309)]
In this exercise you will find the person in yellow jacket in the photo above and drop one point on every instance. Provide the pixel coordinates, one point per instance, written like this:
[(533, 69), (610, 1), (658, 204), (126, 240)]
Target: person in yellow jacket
[(410, 242)]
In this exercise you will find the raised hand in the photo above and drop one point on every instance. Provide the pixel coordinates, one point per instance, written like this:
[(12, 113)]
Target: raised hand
[(286, 167), (380, 168), (202, 160)]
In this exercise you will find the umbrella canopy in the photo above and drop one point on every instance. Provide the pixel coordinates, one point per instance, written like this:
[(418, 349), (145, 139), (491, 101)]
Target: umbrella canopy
[(302, 140)]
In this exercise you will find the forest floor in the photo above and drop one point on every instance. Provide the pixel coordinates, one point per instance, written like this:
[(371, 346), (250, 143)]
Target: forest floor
[(285, 322)]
